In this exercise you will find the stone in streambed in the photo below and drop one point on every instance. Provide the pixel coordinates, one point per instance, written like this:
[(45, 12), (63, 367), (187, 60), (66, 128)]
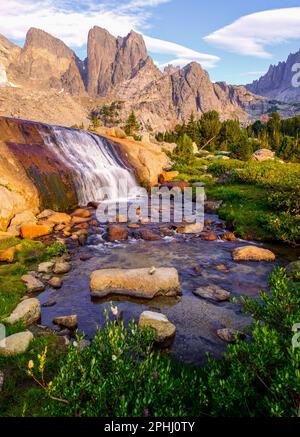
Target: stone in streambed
[(164, 330), (15, 344), (46, 267), (148, 235), (59, 218), (211, 236), (135, 282), (27, 312), (33, 284), (61, 267), (212, 292), (194, 228), (81, 212), (117, 233), (69, 322), (55, 282), (252, 253)]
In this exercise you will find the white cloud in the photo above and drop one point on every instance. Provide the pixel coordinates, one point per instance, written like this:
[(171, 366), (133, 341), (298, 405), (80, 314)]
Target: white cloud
[(251, 34), (71, 24)]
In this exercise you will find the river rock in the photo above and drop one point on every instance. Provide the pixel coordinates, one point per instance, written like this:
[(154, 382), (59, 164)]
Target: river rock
[(69, 322), (7, 255), (164, 330), (229, 335), (81, 212), (117, 233), (15, 344), (211, 236), (212, 292), (24, 217), (27, 312), (55, 282), (148, 235), (45, 267), (35, 231), (61, 267), (252, 253), (33, 284), (59, 218), (229, 237), (193, 228), (135, 282)]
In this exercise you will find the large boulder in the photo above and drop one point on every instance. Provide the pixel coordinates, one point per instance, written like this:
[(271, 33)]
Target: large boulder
[(15, 344), (27, 312), (35, 231), (252, 253), (61, 267), (140, 283), (164, 330), (263, 155)]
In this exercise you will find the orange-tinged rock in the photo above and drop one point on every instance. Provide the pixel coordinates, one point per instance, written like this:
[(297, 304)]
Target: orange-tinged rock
[(35, 231), (81, 212), (167, 176), (59, 217), (7, 255)]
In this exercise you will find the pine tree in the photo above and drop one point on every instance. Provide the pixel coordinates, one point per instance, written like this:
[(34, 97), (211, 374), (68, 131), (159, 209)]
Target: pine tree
[(184, 150), (132, 125)]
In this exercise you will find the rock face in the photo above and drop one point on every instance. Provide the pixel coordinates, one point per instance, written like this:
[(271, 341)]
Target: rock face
[(46, 62), (277, 83), (112, 60), (27, 312), (135, 282), (15, 344), (164, 330), (252, 253)]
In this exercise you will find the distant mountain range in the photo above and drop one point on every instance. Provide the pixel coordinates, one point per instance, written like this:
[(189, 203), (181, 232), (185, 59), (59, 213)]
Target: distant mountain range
[(46, 81)]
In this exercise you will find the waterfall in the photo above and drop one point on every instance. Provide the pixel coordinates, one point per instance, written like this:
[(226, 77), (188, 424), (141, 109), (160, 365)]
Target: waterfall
[(98, 170)]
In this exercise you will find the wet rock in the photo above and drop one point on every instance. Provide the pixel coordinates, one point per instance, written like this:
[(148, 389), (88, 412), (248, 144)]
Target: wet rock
[(211, 237), (33, 284), (49, 303), (212, 292), (45, 267), (27, 312), (81, 212), (135, 282), (7, 255), (69, 322), (55, 282), (59, 218), (211, 206), (229, 335), (164, 330), (229, 237), (15, 344), (117, 233), (194, 228), (148, 235), (35, 231), (61, 267), (252, 253)]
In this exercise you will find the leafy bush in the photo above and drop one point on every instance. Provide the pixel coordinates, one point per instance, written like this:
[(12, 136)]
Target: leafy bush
[(119, 375), (220, 167)]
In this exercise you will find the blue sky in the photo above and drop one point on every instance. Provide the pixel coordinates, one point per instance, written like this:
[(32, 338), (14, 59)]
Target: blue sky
[(235, 40)]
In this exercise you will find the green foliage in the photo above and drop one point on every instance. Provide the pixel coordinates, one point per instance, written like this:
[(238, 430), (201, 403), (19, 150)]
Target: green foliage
[(107, 114), (119, 375), (132, 126), (230, 133), (183, 152), (241, 148), (209, 126)]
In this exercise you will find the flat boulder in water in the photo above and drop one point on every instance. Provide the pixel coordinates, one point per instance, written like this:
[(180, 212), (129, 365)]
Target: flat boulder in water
[(252, 253), (139, 283)]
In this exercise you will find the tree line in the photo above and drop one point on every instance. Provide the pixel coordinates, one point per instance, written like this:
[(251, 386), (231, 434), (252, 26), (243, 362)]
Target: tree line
[(211, 134)]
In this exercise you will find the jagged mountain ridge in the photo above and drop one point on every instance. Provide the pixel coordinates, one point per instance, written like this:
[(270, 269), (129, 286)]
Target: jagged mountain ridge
[(115, 68), (277, 83)]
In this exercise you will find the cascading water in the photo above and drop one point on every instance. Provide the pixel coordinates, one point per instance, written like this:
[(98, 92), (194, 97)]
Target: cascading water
[(99, 173)]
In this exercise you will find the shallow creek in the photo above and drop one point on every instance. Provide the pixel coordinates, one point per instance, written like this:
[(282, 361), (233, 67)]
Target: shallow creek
[(196, 319)]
